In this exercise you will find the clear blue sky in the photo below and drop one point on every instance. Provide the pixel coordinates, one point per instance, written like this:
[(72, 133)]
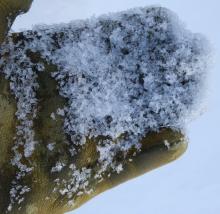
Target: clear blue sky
[(190, 185)]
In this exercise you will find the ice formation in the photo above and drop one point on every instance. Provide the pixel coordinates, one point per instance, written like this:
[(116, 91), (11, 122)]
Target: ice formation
[(123, 73)]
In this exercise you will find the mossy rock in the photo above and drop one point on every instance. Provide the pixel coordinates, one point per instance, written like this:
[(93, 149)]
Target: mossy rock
[(42, 198), (42, 190)]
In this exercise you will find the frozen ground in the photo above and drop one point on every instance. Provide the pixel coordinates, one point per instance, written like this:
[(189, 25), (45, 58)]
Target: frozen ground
[(190, 185)]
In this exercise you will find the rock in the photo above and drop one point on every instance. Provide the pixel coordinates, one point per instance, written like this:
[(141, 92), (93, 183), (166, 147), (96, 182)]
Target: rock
[(9, 9)]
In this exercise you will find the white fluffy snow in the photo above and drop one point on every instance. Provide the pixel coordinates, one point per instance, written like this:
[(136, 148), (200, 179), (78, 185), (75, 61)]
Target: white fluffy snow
[(127, 72)]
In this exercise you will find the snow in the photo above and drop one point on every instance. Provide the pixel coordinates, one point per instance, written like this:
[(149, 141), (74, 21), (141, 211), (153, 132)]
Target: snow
[(59, 166), (192, 180), (50, 146), (130, 72), (53, 116), (76, 184), (167, 144), (140, 68)]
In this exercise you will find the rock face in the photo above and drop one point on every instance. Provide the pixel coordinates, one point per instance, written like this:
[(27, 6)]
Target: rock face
[(88, 105)]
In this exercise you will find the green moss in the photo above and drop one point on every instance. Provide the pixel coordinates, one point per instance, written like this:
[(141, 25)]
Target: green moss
[(7, 119)]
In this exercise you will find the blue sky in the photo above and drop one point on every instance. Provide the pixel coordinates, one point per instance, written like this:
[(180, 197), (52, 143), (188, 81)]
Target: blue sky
[(192, 184)]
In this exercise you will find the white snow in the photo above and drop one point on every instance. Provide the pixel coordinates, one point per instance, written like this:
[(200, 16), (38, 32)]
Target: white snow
[(59, 166), (53, 116), (50, 146), (126, 72)]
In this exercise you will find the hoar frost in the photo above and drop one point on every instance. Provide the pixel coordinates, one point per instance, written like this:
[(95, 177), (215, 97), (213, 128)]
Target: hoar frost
[(123, 73), (129, 72)]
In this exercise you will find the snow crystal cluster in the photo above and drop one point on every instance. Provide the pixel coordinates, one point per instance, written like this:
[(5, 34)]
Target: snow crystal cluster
[(129, 72), (124, 73)]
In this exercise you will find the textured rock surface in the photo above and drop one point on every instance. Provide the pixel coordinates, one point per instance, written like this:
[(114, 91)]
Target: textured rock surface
[(91, 104)]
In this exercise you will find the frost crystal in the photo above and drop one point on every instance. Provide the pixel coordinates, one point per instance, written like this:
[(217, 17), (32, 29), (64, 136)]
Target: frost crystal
[(51, 146), (59, 166), (130, 72)]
